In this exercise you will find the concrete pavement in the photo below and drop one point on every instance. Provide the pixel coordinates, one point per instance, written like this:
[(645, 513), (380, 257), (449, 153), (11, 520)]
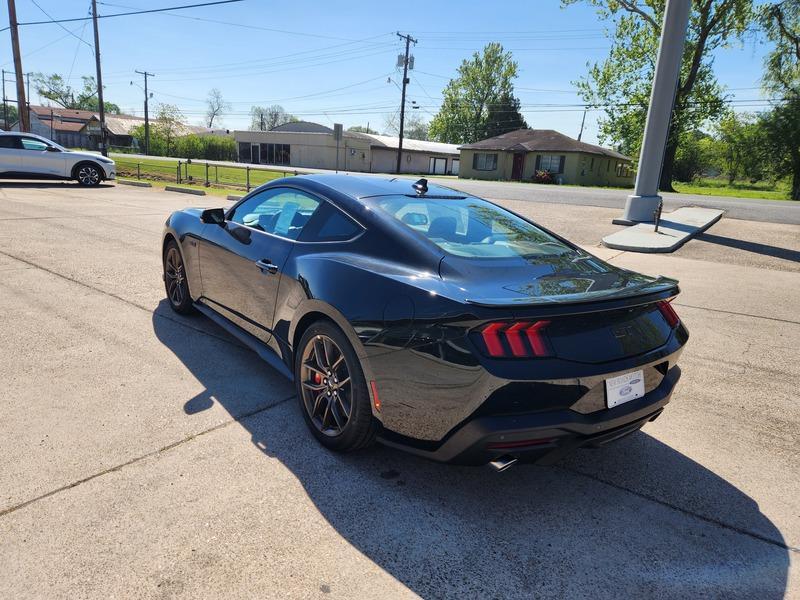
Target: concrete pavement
[(143, 454)]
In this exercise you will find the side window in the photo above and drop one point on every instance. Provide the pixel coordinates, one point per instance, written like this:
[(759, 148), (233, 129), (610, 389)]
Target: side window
[(9, 141), (32, 144), (330, 225), (279, 211)]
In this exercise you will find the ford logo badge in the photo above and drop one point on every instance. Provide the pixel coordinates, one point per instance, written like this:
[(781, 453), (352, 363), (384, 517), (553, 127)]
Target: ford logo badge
[(635, 381), (625, 391)]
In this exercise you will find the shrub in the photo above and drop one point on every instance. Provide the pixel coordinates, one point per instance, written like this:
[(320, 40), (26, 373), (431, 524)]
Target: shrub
[(543, 177)]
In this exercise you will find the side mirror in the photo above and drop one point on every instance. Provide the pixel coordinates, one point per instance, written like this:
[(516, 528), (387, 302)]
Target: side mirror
[(53, 149), (215, 216)]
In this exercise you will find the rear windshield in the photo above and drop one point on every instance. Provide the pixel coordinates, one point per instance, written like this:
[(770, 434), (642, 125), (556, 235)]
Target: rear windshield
[(471, 227)]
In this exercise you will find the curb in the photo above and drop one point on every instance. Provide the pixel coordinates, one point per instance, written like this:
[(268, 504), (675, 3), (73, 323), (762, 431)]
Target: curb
[(135, 183), (182, 190), (234, 197)]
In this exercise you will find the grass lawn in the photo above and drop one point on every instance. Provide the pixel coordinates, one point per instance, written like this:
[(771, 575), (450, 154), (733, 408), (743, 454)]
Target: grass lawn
[(738, 189), (159, 170), (210, 191)]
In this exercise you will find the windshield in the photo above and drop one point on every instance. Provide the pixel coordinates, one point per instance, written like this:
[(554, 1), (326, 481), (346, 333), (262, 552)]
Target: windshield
[(471, 227)]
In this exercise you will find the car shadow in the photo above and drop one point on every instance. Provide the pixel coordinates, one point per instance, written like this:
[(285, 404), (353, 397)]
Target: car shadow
[(636, 518), (42, 185)]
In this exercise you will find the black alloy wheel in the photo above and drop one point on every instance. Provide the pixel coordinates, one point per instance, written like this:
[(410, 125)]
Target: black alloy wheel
[(88, 175), (332, 390), (175, 280)]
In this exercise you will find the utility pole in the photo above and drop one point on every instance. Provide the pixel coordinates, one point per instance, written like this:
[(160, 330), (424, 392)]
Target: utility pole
[(408, 40), (146, 111), (583, 121), (24, 116), (103, 147)]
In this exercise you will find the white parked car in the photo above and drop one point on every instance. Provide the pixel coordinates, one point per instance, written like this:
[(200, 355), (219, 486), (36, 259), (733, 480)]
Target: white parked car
[(31, 156)]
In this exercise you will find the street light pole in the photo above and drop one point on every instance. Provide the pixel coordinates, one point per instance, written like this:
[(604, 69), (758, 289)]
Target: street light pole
[(645, 199)]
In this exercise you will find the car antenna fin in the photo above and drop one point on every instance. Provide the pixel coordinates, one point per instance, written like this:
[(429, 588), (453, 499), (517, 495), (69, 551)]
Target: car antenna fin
[(421, 186)]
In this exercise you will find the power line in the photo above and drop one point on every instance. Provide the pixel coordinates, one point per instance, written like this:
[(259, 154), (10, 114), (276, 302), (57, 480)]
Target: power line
[(52, 20), (135, 12), (244, 25)]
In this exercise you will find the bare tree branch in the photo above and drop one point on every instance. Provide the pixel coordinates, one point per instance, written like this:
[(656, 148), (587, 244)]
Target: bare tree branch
[(632, 7)]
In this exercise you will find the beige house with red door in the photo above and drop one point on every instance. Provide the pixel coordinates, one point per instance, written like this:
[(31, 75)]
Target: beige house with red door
[(519, 154)]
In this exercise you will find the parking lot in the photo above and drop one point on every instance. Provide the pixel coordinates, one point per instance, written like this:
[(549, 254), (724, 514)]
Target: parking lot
[(144, 454)]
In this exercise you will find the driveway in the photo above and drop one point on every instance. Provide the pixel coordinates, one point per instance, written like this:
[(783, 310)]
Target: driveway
[(144, 454)]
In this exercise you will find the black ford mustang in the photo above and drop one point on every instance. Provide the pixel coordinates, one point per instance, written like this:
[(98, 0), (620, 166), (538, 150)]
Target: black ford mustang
[(429, 319)]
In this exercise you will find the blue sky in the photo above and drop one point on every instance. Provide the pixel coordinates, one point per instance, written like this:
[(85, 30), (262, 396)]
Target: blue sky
[(330, 61)]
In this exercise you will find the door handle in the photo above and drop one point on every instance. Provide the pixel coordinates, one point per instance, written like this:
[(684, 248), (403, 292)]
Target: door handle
[(266, 265)]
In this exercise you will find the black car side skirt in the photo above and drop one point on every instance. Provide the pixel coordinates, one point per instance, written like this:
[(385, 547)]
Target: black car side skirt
[(264, 352)]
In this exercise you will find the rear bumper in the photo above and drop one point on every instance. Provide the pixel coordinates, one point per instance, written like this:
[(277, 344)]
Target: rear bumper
[(545, 437)]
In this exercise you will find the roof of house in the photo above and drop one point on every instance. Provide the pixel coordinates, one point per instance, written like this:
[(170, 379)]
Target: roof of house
[(44, 112), (374, 140), (540, 140), (386, 141), (302, 127)]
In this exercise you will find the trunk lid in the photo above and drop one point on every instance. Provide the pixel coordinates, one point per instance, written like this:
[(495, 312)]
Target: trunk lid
[(574, 277)]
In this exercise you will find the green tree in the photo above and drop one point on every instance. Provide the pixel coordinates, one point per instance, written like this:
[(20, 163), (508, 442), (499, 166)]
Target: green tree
[(414, 127), (740, 146), (264, 118), (622, 82), (11, 112), (167, 126), (55, 88), (480, 101), (781, 22), (361, 129)]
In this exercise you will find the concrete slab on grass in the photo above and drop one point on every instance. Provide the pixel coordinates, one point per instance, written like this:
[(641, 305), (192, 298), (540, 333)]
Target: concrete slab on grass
[(674, 230), (134, 183), (183, 190)]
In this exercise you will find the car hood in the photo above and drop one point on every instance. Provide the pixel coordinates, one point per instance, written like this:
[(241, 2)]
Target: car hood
[(88, 155), (569, 278)]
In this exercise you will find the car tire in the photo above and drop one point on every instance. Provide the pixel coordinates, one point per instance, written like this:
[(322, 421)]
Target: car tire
[(88, 174), (175, 282), (323, 401)]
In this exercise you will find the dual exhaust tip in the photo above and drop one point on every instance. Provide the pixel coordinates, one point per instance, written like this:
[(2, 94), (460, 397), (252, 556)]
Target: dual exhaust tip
[(503, 463)]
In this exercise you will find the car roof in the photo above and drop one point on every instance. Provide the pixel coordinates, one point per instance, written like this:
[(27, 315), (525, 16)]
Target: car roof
[(360, 186)]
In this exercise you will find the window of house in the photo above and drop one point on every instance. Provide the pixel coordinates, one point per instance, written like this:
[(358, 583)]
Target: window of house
[(274, 154), (484, 162), (591, 165), (551, 162)]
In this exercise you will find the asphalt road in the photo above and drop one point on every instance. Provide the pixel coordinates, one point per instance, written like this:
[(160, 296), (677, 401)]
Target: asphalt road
[(148, 455), (768, 211)]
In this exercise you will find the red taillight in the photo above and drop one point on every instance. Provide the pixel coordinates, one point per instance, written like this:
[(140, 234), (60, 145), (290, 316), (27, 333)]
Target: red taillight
[(669, 313), (521, 339)]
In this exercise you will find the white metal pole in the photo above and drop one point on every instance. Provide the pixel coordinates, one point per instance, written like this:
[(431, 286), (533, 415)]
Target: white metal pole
[(645, 198)]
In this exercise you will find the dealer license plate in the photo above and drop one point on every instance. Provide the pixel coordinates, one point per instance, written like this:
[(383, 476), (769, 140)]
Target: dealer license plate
[(624, 388)]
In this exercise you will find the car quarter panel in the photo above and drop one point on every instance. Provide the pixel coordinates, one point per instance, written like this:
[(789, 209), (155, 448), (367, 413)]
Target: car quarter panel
[(186, 227)]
